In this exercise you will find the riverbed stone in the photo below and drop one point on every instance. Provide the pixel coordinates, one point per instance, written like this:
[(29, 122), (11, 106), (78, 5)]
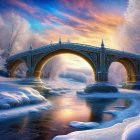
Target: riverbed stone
[(100, 87)]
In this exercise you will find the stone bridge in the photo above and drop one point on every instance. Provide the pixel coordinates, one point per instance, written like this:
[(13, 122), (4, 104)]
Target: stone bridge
[(99, 58)]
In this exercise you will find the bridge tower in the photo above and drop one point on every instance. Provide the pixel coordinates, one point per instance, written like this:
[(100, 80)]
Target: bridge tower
[(30, 62), (102, 73), (100, 60)]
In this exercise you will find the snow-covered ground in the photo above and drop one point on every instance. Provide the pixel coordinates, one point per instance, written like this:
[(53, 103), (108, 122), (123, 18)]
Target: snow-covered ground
[(111, 133), (83, 125), (12, 95), (13, 113), (17, 100), (116, 129)]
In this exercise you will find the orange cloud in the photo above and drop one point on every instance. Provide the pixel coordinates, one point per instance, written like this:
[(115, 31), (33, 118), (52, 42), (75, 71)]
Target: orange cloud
[(88, 27)]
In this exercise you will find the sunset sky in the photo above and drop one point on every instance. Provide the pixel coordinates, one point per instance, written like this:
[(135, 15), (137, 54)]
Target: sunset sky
[(83, 21)]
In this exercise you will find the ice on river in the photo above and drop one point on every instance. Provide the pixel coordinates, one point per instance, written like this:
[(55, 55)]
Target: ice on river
[(111, 112), (123, 127), (83, 125)]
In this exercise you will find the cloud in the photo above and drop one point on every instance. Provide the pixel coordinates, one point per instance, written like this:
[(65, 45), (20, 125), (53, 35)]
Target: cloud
[(23, 5), (72, 19)]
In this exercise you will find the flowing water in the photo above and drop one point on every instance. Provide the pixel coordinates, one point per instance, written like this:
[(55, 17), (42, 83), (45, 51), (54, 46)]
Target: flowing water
[(67, 107)]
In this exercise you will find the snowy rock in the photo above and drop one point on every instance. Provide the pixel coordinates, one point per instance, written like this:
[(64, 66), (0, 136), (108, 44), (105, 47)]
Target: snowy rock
[(58, 91), (111, 112), (5, 106), (32, 111), (120, 107), (100, 87), (12, 95), (74, 76), (83, 125)]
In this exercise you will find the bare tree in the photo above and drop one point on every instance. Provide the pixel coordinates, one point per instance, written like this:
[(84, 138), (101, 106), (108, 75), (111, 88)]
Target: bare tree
[(14, 34)]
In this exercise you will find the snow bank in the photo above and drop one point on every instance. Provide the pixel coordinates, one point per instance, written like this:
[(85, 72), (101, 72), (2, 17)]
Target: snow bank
[(83, 125), (132, 132), (120, 107), (111, 133), (58, 91), (111, 112), (12, 95), (18, 112), (74, 76), (115, 128)]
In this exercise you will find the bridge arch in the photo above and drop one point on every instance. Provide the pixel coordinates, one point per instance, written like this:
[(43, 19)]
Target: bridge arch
[(40, 64), (14, 65), (129, 66)]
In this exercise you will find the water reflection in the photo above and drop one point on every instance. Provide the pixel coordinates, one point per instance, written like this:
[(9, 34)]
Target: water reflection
[(97, 107), (47, 124)]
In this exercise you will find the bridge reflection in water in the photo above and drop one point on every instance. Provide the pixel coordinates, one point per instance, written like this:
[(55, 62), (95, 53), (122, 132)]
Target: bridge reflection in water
[(50, 123)]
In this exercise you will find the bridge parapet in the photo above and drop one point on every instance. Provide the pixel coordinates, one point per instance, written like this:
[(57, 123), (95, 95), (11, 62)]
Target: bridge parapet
[(100, 60), (76, 46)]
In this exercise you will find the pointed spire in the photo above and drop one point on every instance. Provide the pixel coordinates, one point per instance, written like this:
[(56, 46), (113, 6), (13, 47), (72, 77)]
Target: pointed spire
[(68, 41), (51, 42), (59, 40), (102, 44), (31, 46)]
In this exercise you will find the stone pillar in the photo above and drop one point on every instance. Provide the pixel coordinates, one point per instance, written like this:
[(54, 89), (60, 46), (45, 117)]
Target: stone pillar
[(102, 77), (102, 84), (133, 82), (11, 74), (29, 73), (30, 77), (29, 64), (138, 77), (37, 74), (132, 78)]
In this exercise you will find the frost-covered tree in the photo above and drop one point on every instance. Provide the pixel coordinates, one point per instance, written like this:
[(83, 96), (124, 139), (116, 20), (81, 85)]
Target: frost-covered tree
[(2, 61), (14, 33), (53, 68)]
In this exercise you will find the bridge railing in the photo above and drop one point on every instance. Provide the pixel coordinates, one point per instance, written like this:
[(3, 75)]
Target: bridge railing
[(78, 46), (122, 52)]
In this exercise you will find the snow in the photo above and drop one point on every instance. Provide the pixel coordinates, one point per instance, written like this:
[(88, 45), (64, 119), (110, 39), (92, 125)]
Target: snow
[(125, 122), (17, 100), (12, 95), (132, 132), (74, 76), (13, 113), (111, 112), (111, 133), (83, 125), (120, 107), (58, 91)]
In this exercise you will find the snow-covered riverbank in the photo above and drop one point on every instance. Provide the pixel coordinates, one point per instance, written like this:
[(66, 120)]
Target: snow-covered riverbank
[(111, 133), (115, 128), (17, 100), (12, 96), (21, 97)]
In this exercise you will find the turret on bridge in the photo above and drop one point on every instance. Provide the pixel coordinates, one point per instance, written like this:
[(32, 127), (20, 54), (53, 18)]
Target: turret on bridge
[(99, 58)]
